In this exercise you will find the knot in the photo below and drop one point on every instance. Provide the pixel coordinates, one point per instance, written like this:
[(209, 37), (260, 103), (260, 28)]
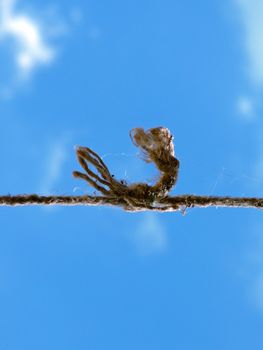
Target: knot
[(157, 146)]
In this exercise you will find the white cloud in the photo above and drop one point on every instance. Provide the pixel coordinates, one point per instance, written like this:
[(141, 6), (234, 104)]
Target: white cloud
[(53, 167), (150, 235), (27, 37), (245, 108), (251, 15)]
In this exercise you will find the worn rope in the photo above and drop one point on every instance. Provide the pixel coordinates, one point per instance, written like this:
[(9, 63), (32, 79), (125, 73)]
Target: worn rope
[(168, 204), (157, 147)]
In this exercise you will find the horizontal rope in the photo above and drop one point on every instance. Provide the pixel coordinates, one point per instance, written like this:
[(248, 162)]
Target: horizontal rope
[(167, 204)]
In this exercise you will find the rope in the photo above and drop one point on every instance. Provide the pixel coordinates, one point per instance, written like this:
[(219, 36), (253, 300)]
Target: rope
[(157, 147), (167, 204)]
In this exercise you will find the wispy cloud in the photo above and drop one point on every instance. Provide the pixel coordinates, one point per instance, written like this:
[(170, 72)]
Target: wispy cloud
[(53, 166), (245, 108), (25, 33), (150, 235), (251, 15)]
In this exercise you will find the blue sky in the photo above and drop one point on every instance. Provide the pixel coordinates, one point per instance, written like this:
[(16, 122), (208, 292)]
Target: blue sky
[(100, 278)]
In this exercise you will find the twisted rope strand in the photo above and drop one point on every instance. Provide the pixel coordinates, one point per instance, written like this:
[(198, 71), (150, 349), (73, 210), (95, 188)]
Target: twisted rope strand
[(168, 204)]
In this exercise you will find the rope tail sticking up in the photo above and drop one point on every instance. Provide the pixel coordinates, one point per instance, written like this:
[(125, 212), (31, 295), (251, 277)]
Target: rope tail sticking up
[(157, 146)]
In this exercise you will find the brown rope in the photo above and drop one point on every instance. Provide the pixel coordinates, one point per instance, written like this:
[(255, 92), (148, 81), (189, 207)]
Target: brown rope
[(157, 146), (167, 204)]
